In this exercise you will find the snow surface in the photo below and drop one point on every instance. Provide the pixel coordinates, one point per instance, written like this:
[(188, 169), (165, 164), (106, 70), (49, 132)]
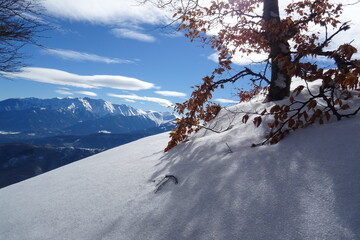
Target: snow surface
[(305, 187)]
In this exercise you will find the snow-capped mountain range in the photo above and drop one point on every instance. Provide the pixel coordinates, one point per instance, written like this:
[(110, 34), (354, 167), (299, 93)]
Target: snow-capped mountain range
[(97, 107), (76, 116), (47, 133)]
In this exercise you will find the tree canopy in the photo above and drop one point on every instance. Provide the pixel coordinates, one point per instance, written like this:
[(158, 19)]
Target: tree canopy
[(291, 45)]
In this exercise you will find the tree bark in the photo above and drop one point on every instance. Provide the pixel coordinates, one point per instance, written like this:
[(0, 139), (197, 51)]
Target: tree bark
[(279, 52)]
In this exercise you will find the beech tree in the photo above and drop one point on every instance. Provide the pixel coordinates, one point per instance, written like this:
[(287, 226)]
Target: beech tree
[(20, 24), (255, 26)]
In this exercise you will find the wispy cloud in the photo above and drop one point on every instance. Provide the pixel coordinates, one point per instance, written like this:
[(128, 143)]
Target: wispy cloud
[(131, 34), (58, 77), (173, 34), (82, 56), (133, 97), (171, 93), (222, 100), (87, 93), (106, 11), (63, 92), (64, 88)]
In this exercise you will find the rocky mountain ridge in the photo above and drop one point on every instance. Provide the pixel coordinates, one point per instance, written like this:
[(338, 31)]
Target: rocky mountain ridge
[(85, 115), (38, 135)]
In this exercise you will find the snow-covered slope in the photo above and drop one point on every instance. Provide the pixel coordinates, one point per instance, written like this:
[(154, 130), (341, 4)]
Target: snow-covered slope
[(305, 187)]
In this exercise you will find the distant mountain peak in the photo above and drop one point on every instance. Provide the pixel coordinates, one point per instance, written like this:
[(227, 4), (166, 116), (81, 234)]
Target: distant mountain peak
[(34, 114), (97, 107)]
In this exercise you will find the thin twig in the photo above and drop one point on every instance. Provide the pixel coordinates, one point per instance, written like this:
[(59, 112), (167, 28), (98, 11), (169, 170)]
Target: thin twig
[(230, 151)]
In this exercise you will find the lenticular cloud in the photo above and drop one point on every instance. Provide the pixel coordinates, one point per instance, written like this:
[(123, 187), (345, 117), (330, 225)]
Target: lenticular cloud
[(54, 76)]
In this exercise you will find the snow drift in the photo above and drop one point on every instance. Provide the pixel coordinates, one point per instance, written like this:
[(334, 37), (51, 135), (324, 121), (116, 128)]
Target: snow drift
[(305, 187)]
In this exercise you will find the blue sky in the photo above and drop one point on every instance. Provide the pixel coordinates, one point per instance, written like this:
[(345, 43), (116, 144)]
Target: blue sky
[(114, 50), (164, 63)]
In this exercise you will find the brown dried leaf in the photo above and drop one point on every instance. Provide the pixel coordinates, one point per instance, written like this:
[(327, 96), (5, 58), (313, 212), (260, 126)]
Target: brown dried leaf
[(291, 99), (328, 116), (312, 104), (291, 122), (257, 121), (298, 90), (274, 109), (345, 106), (245, 118)]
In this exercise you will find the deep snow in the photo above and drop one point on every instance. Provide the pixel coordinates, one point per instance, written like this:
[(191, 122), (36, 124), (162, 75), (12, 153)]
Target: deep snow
[(305, 187)]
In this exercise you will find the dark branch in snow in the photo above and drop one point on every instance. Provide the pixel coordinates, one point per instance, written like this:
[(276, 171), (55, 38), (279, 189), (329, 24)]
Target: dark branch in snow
[(216, 131), (230, 151), (333, 104), (165, 180)]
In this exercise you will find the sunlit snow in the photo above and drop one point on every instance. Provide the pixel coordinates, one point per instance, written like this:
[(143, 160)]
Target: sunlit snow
[(305, 187)]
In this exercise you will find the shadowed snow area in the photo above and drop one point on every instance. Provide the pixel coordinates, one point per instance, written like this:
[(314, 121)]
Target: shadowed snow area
[(305, 187)]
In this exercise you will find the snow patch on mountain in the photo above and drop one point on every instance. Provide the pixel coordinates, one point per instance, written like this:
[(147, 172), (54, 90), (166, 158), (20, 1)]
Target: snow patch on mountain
[(109, 107), (70, 108), (86, 104), (160, 118), (8, 133)]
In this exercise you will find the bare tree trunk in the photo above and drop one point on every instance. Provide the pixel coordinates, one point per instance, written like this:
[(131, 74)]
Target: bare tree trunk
[(279, 52)]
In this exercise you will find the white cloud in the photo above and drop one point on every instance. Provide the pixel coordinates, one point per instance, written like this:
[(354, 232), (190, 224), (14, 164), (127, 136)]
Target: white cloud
[(87, 93), (242, 59), (171, 93), (81, 56), (127, 33), (222, 100), (54, 76), (106, 11), (63, 92), (133, 12), (133, 97)]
